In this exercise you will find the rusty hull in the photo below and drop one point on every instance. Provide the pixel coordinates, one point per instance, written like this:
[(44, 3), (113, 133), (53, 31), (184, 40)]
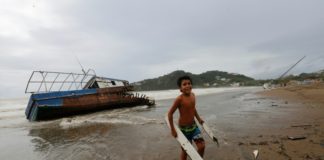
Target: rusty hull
[(103, 99)]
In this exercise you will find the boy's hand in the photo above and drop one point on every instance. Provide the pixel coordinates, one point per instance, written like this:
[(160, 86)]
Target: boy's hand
[(174, 133), (201, 121)]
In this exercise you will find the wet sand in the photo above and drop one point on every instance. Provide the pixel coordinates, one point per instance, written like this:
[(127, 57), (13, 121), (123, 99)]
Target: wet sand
[(303, 116), (264, 121), (243, 120)]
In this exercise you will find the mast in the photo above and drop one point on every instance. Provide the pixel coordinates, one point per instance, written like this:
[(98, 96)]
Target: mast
[(291, 68), (81, 65)]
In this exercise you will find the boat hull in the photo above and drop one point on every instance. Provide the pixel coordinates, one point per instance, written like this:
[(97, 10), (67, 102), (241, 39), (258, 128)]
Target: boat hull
[(66, 103)]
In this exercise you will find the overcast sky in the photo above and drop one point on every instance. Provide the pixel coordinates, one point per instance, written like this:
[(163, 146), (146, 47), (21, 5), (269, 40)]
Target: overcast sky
[(140, 39)]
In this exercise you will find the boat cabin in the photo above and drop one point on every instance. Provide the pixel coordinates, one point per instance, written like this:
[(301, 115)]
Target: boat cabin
[(102, 82)]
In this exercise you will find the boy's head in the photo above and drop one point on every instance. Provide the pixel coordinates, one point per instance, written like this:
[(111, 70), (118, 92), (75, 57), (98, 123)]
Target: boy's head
[(184, 83), (180, 79)]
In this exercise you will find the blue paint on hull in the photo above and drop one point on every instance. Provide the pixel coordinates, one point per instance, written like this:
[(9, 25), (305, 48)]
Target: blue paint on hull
[(51, 102)]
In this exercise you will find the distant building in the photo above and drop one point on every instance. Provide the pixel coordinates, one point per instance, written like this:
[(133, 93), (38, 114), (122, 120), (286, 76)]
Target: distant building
[(320, 72), (206, 84), (304, 82), (235, 74), (236, 84), (311, 81), (294, 82)]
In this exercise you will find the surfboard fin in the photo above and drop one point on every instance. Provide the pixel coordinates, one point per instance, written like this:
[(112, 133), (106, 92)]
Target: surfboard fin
[(216, 140)]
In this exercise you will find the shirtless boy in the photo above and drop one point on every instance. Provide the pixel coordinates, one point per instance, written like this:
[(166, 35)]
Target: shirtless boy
[(186, 103)]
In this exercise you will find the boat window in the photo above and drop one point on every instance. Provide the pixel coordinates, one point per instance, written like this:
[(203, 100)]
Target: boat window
[(94, 85), (113, 82), (103, 84)]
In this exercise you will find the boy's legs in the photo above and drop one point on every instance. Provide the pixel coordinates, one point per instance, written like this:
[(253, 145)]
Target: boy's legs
[(183, 155), (194, 135), (200, 143)]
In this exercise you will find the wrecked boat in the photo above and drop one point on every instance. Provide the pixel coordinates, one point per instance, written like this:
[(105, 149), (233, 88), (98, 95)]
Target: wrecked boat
[(59, 94)]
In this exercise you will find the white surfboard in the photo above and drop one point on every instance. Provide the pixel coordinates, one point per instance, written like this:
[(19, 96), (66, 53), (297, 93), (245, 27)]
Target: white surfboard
[(185, 144), (208, 131)]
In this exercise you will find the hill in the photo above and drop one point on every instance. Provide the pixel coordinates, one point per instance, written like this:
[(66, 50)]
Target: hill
[(206, 79)]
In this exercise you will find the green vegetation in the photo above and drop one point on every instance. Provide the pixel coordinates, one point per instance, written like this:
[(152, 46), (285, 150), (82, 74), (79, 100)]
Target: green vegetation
[(218, 79), (203, 80)]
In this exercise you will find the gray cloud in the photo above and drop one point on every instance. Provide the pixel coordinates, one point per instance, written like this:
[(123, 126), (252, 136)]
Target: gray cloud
[(135, 40)]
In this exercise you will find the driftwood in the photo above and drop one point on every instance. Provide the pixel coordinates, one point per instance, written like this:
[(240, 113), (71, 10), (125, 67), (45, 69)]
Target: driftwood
[(296, 137), (302, 125)]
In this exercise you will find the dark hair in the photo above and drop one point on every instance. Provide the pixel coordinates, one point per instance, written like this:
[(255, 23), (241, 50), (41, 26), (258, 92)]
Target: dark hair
[(180, 79)]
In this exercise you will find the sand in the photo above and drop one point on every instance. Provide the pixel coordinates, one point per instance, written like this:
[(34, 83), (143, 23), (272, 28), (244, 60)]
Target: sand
[(281, 124), (303, 117)]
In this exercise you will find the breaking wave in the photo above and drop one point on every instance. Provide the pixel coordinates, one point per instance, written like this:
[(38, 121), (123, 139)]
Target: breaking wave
[(12, 109), (117, 116), (170, 94)]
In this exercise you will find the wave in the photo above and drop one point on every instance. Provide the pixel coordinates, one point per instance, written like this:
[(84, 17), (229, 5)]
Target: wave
[(12, 108), (13, 104), (171, 94), (117, 116)]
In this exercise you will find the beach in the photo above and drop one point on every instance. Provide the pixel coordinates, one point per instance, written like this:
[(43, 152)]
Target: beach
[(303, 117), (243, 119)]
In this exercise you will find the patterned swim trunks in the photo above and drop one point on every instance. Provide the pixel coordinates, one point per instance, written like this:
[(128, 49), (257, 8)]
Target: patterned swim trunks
[(192, 132)]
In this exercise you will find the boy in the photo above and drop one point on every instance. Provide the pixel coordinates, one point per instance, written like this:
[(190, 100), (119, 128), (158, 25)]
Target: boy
[(186, 103)]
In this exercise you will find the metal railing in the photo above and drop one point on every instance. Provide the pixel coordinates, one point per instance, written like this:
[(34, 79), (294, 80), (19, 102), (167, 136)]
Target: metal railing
[(47, 81)]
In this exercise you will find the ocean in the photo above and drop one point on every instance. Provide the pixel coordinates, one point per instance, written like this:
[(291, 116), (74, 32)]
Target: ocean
[(129, 133)]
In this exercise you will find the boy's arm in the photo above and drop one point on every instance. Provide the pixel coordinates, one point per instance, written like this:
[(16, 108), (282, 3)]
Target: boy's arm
[(198, 117), (170, 116), (196, 113)]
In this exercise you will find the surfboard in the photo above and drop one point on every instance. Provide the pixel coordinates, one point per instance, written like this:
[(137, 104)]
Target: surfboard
[(183, 141), (208, 131)]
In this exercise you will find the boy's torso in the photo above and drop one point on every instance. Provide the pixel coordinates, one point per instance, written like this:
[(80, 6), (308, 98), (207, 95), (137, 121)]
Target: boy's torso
[(187, 110)]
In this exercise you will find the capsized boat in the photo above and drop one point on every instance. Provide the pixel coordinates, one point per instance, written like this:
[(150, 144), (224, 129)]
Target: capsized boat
[(59, 94)]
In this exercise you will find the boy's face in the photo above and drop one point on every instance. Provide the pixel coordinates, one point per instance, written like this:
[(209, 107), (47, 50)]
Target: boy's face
[(186, 86)]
